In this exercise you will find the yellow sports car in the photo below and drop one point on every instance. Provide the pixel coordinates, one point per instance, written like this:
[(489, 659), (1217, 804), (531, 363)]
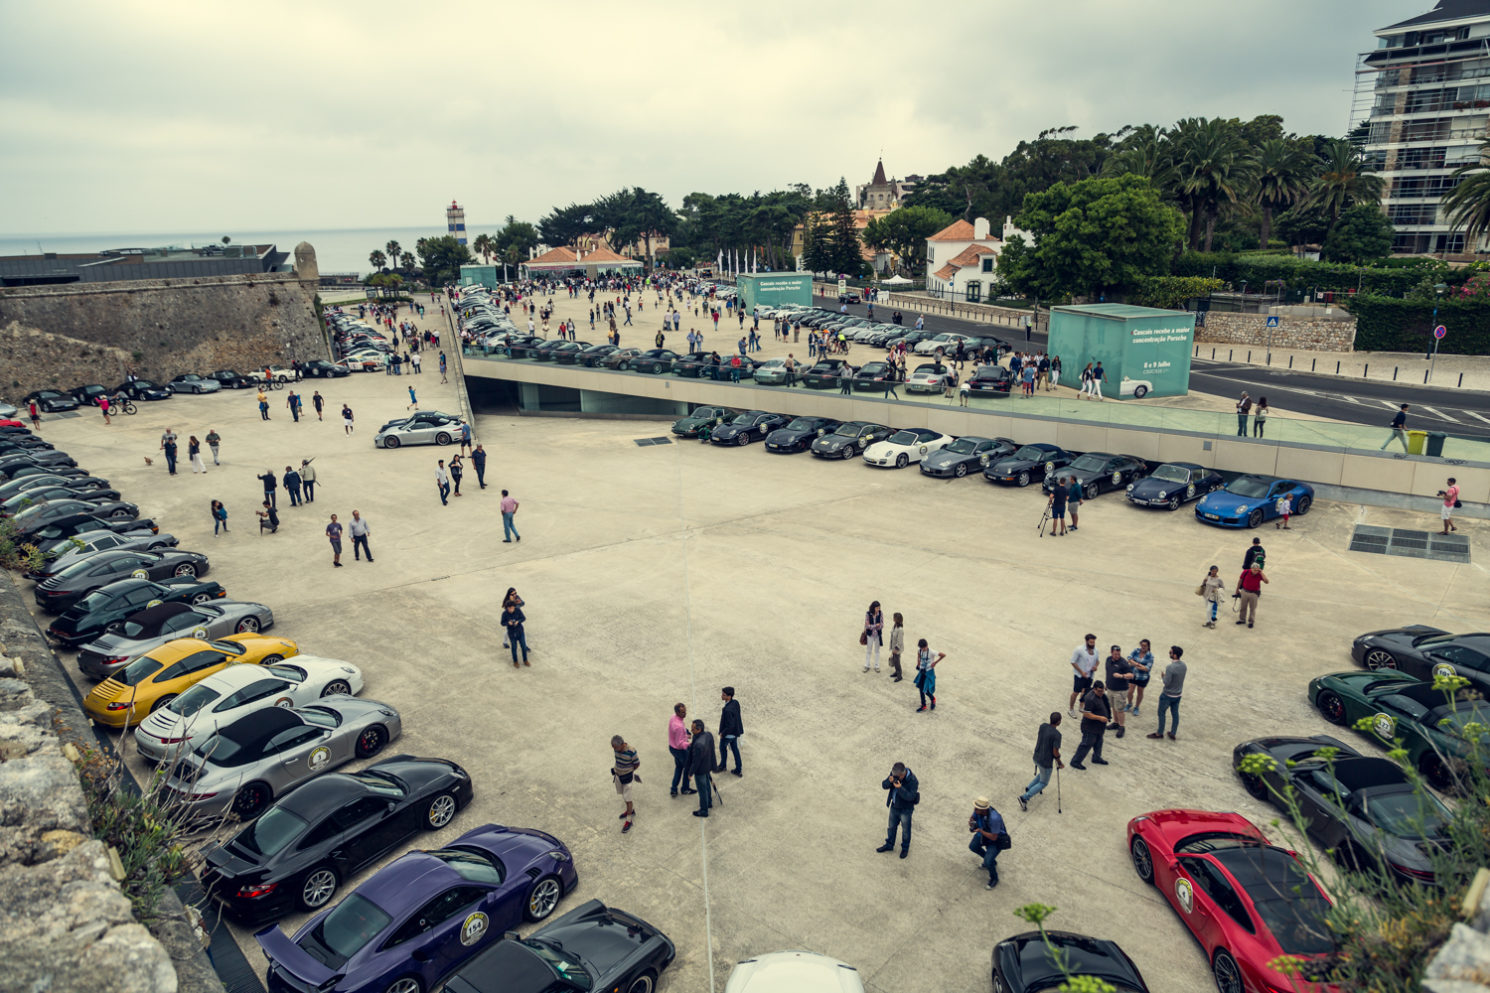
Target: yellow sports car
[(159, 676)]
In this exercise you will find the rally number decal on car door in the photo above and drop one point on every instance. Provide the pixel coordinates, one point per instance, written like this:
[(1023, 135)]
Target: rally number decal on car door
[(139, 574), (1385, 726), (318, 758), (1190, 492), (199, 633), (1444, 669), (473, 929), (1184, 894), (1117, 479)]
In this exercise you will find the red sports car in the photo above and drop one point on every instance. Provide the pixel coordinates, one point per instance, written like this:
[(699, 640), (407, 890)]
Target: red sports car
[(1247, 902)]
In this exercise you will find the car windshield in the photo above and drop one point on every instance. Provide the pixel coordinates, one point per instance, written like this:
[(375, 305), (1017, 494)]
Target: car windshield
[(1249, 486), (744, 419), (903, 438), (962, 446), (137, 671), (1407, 814), (271, 832), (1030, 453), (565, 966), (343, 932), (1089, 463), (193, 700), (802, 424), (1172, 474), (849, 430)]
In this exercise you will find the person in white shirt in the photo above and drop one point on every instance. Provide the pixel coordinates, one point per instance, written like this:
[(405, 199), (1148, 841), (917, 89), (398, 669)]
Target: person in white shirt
[(1083, 662), (442, 482), (360, 531)]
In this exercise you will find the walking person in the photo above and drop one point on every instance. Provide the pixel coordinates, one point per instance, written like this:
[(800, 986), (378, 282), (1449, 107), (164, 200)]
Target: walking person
[(456, 472), (35, 414), (413, 400), (308, 480), (623, 771), (270, 486), (333, 534), (1047, 755), (360, 530), (510, 596), (989, 837), (1098, 378), (892, 378), (1259, 417), (194, 454), (512, 621), (678, 739), (701, 767), (317, 401), (478, 462), (1255, 553), (508, 508), (1284, 508), (926, 673), (442, 368), (871, 637), (1169, 698), (346, 419), (1399, 430), (291, 479), (1249, 588), (730, 730), (903, 792), (1450, 494), (293, 402), (897, 645), (465, 437), (168, 445), (1084, 663), (219, 517), (213, 441), (442, 483), (1096, 714), (1119, 677), (1243, 408)]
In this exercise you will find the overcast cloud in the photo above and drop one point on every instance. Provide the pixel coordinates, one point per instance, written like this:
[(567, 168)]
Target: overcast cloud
[(165, 116)]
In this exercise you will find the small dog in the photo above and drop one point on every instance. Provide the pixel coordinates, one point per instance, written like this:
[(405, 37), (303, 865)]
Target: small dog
[(149, 461)]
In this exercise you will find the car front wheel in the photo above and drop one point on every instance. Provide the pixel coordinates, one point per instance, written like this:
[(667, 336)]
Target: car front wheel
[(1302, 507), (742, 439), (543, 898), (337, 686), (902, 460), (961, 469), (1024, 478), (201, 598), (1174, 502), (1090, 493), (645, 983), (249, 625), (1378, 658), (186, 569), (390, 442), (1143, 860), (404, 984), (1332, 707), (1254, 519), (371, 741), (440, 812)]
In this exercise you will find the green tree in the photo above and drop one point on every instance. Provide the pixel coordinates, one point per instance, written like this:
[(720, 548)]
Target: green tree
[(485, 246), (441, 259), (1213, 168), (406, 261), (904, 232), (1362, 233), (1282, 175), (514, 234), (1468, 204), (394, 250), (566, 224), (817, 255), (844, 248), (1302, 225), (1145, 151), (1103, 234), (377, 259), (1343, 182)]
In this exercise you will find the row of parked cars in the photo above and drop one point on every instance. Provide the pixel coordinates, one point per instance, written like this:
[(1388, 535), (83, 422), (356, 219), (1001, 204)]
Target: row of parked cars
[(52, 401)]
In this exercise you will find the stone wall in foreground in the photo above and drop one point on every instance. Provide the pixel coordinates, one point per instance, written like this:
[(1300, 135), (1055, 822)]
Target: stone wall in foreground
[(1296, 333)]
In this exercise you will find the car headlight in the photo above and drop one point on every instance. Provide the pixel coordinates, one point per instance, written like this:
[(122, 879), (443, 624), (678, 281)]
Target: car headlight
[(558, 856)]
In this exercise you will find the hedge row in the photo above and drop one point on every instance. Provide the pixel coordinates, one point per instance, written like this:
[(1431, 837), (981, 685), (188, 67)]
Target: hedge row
[(1386, 324), (1302, 274)]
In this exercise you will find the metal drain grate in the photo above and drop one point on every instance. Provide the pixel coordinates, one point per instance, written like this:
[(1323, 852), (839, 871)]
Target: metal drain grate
[(1413, 544), (644, 442)]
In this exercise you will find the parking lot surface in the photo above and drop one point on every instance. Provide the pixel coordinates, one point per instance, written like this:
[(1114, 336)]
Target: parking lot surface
[(655, 575)]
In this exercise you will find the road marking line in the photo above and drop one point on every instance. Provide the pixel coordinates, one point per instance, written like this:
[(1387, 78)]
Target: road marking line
[(1478, 417), (1438, 413)]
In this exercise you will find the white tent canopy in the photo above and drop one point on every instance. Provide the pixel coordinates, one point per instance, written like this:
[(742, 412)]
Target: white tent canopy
[(895, 281)]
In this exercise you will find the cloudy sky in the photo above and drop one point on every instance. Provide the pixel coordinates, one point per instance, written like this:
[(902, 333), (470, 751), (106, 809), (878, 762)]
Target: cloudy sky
[(156, 116)]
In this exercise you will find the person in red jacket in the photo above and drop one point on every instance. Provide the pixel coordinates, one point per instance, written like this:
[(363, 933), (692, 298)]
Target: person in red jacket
[(1249, 588)]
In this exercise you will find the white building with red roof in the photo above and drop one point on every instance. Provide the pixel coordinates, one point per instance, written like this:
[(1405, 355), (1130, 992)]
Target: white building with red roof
[(961, 259)]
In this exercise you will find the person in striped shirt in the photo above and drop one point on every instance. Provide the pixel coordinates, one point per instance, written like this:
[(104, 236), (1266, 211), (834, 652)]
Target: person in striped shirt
[(623, 772)]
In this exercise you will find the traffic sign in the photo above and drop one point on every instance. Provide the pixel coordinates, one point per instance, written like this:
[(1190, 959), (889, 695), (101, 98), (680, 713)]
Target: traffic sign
[(1440, 331), (1273, 321)]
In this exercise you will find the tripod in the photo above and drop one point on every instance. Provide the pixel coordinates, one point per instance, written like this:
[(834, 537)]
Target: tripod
[(1043, 518)]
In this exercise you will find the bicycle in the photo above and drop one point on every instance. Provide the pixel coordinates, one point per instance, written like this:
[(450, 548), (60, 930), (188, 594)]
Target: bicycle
[(122, 404)]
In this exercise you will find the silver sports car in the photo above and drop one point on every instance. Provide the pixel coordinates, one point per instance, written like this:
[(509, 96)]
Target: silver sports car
[(439, 430), (149, 629), (245, 765), (101, 541)]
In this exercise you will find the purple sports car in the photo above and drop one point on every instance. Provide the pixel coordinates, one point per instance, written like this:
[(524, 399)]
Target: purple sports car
[(423, 915)]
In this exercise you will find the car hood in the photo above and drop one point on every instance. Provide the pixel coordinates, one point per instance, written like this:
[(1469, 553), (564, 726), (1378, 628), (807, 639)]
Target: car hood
[(603, 937), (790, 436), (1223, 502), (730, 430), (1403, 636), (1151, 487), (942, 457), (832, 441), (1014, 465)]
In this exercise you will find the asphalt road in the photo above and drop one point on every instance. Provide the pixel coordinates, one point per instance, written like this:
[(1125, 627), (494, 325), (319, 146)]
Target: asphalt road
[(1453, 411)]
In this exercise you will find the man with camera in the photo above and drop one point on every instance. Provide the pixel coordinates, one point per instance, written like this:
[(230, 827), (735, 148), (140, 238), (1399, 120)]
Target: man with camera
[(904, 792), (989, 837)]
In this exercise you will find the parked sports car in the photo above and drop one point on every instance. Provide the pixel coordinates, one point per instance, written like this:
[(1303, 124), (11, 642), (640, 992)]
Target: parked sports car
[(1425, 652), (906, 446), (807, 972), (591, 356), (744, 428), (160, 675), (701, 418), (35, 455), (688, 366), (871, 377), (1034, 962), (620, 358), (799, 434), (419, 417), (654, 360), (36, 517), (1247, 501), (724, 370), (87, 619), (991, 381), (306, 844), (771, 372), (248, 763), (826, 374), (1247, 902), (190, 382), (102, 497), (431, 431), (1363, 810), (929, 377), (67, 587), (148, 629), (237, 691), (426, 914), (88, 394), (564, 352), (1099, 471), (231, 380), (321, 369), (142, 389), (849, 439), (1034, 461), (591, 949), (81, 546), (1172, 484), (52, 537), (1434, 729), (49, 401), (967, 454)]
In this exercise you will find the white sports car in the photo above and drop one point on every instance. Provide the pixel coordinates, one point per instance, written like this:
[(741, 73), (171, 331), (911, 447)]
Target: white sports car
[(1136, 388), (223, 697), (906, 446), (443, 429)]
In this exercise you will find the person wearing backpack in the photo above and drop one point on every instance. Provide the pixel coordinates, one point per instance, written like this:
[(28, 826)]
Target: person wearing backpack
[(989, 837)]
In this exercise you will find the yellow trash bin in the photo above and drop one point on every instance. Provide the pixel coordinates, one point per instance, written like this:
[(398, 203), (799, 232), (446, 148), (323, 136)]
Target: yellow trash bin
[(1415, 442)]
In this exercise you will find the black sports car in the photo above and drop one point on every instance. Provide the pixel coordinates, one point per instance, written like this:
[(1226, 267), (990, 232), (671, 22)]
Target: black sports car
[(1099, 471), (744, 428), (86, 619), (142, 389), (826, 374), (591, 356), (527, 348), (311, 840), (38, 517), (691, 365), (67, 587), (49, 401), (1425, 652), (991, 381), (849, 439), (89, 393), (620, 358), (231, 380), (591, 949), (17, 469), (1363, 810), (1032, 962), (1172, 484), (871, 377), (560, 347), (724, 370), (20, 484), (570, 355), (56, 536), (700, 419), (36, 456), (654, 360), (799, 435), (36, 495), (421, 417), (1031, 462), (321, 369), (967, 454)]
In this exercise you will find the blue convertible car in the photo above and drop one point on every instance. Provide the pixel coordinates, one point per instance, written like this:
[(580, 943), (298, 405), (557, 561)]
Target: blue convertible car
[(423, 915), (1247, 501)]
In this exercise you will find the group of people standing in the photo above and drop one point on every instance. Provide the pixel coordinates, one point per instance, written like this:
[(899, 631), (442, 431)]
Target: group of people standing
[(692, 749), (873, 639)]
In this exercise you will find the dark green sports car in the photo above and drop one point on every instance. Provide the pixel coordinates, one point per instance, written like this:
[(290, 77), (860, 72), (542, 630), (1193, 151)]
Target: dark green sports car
[(701, 418), (1433, 725)]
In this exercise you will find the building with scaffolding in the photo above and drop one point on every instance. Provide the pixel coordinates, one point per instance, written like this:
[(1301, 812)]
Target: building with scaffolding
[(1423, 97)]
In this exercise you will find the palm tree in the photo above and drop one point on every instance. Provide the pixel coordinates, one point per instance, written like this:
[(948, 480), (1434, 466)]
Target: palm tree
[(378, 260), (394, 250), (1283, 174), (1343, 182), (1468, 205), (484, 246), (406, 260), (1212, 167), (1147, 151)]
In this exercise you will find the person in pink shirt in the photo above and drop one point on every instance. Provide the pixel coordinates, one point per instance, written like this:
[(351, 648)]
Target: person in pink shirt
[(1450, 501), (678, 740), (509, 529)]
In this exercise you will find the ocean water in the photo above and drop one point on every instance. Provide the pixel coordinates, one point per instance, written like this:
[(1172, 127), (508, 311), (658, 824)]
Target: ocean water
[(341, 250)]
